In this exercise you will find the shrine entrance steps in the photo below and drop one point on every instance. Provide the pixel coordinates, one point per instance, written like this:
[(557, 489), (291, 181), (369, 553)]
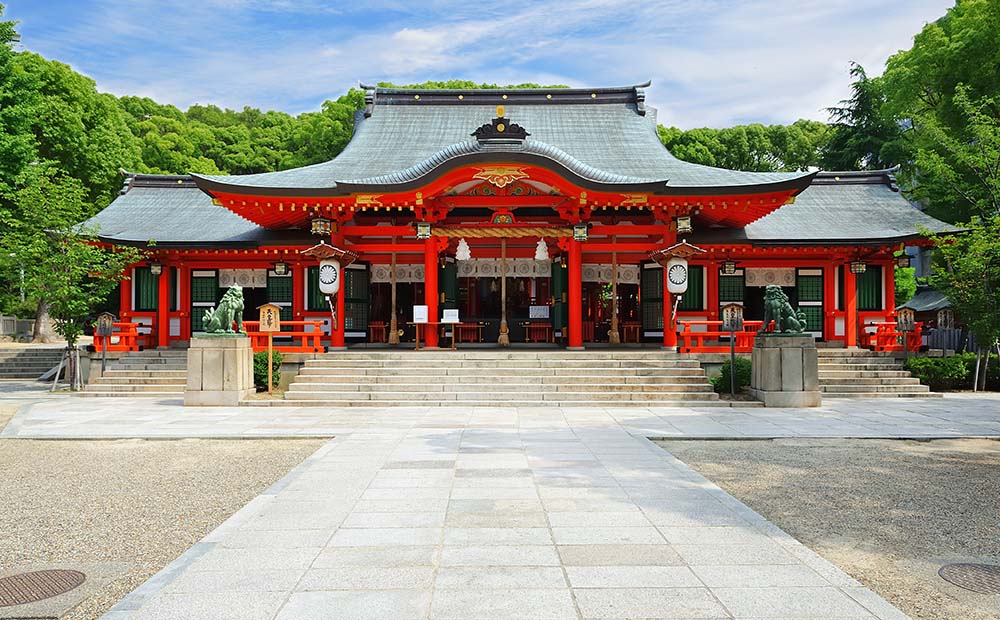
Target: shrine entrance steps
[(158, 372), (28, 362), (859, 373), (501, 379)]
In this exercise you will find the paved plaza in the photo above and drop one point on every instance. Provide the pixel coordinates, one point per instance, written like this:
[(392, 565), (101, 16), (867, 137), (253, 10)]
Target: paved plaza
[(500, 513)]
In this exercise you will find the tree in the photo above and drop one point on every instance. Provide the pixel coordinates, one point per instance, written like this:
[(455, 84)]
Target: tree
[(862, 135), (755, 147), (943, 91), (969, 274), (63, 265)]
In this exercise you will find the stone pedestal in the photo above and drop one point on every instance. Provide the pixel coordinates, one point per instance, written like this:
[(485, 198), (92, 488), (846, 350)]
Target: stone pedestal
[(785, 371), (219, 370)]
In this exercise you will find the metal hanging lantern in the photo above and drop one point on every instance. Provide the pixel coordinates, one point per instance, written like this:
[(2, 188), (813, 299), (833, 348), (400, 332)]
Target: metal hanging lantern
[(903, 261), (579, 232), (858, 266), (684, 224), (463, 252), (542, 250), (423, 230), (280, 268), (729, 268), (155, 268), (321, 226)]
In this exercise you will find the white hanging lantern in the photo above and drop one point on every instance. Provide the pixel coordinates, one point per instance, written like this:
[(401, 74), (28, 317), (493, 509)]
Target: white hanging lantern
[(677, 276), (463, 252), (329, 276), (542, 250)]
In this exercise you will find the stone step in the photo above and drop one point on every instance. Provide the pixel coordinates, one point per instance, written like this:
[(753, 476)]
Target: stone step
[(882, 395), (507, 364), (510, 388), (469, 404), (117, 372), (140, 387), (824, 367), (133, 366), (107, 394), (120, 380), (824, 352), (496, 371), (501, 398), (495, 354), (869, 380), (851, 387), (850, 374), (487, 379)]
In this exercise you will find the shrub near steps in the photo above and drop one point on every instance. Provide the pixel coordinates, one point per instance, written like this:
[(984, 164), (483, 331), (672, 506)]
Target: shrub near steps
[(500, 378)]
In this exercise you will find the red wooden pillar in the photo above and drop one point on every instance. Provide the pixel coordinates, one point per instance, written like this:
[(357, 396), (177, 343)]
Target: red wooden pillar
[(829, 302), (712, 286), (574, 265), (184, 307), (298, 291), (431, 289), (669, 330), (163, 309), (337, 340), (125, 296), (850, 307), (889, 305)]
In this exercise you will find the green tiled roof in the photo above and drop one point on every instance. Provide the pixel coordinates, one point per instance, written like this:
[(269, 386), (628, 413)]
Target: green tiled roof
[(604, 136)]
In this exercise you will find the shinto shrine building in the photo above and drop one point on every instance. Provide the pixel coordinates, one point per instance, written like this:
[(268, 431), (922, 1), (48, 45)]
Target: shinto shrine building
[(438, 190)]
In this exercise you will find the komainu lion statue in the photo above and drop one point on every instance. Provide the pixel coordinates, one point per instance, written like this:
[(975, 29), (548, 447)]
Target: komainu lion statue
[(777, 309), (220, 320)]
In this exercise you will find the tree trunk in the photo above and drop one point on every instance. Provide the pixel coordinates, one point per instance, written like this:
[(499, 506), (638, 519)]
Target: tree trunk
[(44, 332), (983, 374)]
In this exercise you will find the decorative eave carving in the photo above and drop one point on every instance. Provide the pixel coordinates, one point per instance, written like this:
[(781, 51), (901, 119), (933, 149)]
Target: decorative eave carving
[(500, 129), (323, 250), (678, 250)]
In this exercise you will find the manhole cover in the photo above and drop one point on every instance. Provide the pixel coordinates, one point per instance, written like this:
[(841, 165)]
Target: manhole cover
[(38, 585), (982, 578)]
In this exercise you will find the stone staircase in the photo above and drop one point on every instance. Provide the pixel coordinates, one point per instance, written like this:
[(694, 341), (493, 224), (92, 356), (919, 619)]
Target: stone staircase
[(858, 373), (500, 378), (154, 373), (28, 362)]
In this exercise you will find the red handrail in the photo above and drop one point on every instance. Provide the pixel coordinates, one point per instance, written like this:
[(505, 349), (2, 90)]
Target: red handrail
[(694, 341), (308, 341), (127, 335), (886, 338)]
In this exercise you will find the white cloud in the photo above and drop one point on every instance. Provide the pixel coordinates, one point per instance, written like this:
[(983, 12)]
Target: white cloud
[(713, 62)]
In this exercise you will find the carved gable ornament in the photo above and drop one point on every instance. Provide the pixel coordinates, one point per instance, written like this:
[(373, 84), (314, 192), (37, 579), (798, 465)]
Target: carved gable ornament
[(500, 129), (500, 176)]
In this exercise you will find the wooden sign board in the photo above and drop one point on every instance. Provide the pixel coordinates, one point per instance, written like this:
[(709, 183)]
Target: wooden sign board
[(105, 324), (906, 320), (732, 318), (270, 318)]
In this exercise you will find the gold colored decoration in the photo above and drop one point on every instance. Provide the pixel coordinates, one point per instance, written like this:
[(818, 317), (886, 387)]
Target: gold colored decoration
[(500, 176), (634, 199), (500, 111), (368, 200), (501, 233), (500, 127)]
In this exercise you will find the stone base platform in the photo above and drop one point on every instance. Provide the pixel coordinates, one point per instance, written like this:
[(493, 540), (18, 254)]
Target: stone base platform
[(219, 370)]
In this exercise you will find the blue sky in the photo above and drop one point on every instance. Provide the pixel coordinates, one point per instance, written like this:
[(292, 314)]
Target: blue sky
[(712, 62)]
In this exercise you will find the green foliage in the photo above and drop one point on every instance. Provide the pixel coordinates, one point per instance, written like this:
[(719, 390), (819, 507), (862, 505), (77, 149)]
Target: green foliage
[(944, 92), (744, 370), (906, 284), (862, 134), (260, 369), (941, 373), (62, 263), (968, 273), (953, 373), (755, 147)]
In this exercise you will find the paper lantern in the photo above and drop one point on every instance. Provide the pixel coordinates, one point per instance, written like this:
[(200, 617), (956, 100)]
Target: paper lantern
[(677, 276), (329, 276)]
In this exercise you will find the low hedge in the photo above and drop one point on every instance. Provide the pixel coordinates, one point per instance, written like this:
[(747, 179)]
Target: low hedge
[(260, 369), (955, 372), (721, 383)]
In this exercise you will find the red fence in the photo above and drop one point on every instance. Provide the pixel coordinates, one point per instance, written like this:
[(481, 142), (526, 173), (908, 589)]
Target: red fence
[(886, 338), (308, 341), (709, 340)]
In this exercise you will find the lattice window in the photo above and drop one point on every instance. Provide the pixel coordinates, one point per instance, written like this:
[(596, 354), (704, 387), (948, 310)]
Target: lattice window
[(731, 288), (279, 289), (146, 293), (317, 300), (810, 288), (204, 289), (652, 299), (870, 288), (814, 318), (694, 298)]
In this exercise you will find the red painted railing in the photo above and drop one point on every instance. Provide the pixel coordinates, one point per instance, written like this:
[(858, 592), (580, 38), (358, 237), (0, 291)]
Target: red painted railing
[(124, 337), (886, 338), (692, 341), (308, 341)]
